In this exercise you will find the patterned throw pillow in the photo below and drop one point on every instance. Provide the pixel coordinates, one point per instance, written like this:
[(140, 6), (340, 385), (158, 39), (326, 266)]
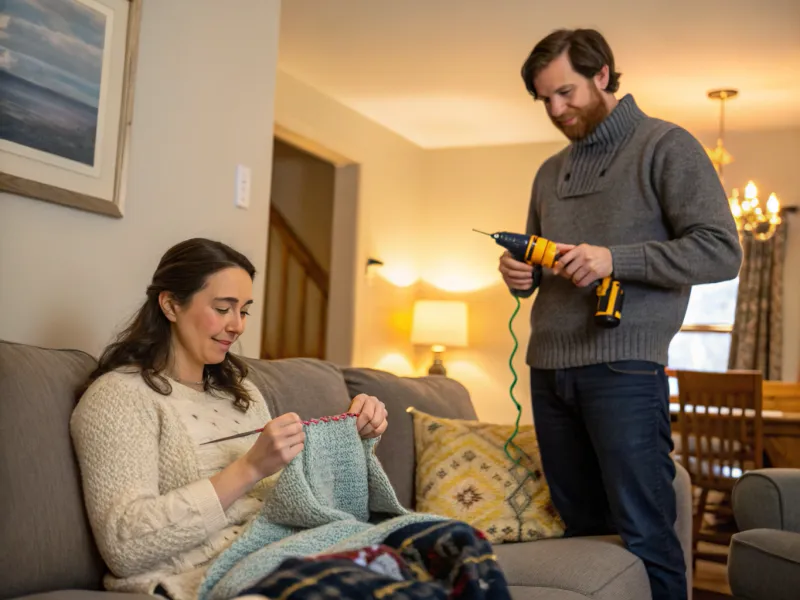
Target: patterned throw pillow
[(464, 473)]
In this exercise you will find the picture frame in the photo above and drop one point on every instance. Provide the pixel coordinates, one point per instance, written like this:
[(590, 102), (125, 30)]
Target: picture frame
[(67, 72)]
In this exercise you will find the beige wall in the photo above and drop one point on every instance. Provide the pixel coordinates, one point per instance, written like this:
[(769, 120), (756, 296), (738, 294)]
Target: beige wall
[(767, 157), (68, 278), (390, 199), (486, 188)]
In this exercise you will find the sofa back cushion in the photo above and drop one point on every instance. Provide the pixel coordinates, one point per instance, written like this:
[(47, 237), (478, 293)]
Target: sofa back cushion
[(47, 543), (309, 387), (435, 395), (314, 388)]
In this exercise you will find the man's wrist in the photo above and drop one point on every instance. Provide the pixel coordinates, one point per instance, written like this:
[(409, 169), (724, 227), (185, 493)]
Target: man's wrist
[(628, 262), (610, 263)]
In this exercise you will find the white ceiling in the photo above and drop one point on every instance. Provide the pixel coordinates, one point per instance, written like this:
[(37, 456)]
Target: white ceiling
[(445, 73)]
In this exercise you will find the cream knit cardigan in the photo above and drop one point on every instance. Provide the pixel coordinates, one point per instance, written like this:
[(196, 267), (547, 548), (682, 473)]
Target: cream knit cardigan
[(146, 501)]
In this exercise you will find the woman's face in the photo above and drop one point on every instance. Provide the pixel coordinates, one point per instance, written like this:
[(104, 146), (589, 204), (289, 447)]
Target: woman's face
[(206, 327)]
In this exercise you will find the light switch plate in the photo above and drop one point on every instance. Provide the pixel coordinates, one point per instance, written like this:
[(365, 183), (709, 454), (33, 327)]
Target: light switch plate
[(242, 199)]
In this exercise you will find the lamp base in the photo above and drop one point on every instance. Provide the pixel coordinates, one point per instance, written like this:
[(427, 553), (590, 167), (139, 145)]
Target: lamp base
[(437, 368)]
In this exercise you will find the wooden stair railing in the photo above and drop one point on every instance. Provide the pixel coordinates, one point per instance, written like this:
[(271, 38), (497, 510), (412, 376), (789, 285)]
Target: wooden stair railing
[(285, 250)]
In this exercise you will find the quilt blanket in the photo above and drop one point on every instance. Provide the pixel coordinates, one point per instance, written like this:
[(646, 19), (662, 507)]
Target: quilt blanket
[(334, 496)]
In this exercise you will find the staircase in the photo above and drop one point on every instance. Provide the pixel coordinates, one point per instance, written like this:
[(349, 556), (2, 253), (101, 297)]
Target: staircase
[(296, 296)]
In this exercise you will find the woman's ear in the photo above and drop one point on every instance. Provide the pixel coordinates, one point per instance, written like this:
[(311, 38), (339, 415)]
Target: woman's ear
[(167, 303)]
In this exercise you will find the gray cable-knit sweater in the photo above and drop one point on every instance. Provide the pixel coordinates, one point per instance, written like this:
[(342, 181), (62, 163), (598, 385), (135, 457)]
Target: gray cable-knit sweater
[(645, 189)]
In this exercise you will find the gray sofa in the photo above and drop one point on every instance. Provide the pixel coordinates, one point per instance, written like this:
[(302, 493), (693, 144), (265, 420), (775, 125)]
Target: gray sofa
[(46, 545), (764, 558)]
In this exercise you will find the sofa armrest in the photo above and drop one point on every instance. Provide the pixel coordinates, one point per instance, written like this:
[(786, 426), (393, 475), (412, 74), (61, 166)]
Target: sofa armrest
[(764, 564), (683, 523), (768, 499)]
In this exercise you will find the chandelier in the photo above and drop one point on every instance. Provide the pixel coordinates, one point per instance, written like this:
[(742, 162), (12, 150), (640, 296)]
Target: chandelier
[(751, 216)]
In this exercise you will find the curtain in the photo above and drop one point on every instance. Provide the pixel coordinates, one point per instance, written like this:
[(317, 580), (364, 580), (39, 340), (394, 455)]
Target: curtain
[(757, 340)]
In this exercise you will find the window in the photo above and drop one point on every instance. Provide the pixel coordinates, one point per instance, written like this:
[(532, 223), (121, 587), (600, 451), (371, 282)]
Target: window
[(704, 340)]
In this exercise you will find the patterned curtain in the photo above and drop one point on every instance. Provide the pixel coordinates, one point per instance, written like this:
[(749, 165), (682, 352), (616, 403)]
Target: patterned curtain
[(757, 340)]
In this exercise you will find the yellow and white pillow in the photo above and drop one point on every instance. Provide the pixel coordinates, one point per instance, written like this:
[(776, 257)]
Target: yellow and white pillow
[(464, 473)]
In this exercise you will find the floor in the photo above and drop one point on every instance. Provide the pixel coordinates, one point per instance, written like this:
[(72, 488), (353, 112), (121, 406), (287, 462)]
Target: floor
[(706, 595), (711, 578)]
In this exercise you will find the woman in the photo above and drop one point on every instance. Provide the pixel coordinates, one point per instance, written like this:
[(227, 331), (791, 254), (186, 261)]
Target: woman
[(162, 505)]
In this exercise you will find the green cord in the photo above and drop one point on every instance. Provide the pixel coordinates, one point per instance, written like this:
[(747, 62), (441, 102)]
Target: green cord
[(510, 441)]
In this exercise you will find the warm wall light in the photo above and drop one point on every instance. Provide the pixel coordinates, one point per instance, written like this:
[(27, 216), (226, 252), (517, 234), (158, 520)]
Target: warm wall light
[(373, 262), (395, 363), (439, 324), (400, 275)]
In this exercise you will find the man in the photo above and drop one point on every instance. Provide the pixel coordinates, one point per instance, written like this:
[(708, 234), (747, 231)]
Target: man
[(638, 198)]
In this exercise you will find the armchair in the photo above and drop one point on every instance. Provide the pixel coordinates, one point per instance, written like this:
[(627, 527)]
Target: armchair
[(764, 557)]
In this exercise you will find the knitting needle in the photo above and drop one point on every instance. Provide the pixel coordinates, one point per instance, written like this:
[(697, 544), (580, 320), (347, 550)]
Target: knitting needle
[(246, 433), (233, 437)]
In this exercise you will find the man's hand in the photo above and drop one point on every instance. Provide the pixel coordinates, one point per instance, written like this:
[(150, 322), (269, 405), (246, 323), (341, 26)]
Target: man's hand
[(517, 275), (583, 264), (372, 417)]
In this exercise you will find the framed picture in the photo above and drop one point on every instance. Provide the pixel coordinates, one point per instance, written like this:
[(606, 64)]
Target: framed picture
[(66, 100)]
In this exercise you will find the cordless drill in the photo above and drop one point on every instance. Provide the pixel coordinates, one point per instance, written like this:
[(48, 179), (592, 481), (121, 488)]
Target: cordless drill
[(536, 250)]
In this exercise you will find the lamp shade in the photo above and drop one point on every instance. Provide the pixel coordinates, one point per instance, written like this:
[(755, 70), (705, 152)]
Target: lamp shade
[(439, 323)]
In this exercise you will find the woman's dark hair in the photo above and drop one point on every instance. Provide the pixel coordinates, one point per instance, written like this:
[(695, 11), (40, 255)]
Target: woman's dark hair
[(145, 342), (588, 53)]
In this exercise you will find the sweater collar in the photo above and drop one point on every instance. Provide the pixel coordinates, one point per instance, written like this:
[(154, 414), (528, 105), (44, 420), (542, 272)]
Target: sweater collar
[(616, 126)]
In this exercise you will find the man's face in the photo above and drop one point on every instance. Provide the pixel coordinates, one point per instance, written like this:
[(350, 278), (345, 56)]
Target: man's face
[(574, 103)]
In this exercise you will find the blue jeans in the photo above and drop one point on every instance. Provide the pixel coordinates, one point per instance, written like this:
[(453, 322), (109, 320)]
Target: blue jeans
[(604, 436)]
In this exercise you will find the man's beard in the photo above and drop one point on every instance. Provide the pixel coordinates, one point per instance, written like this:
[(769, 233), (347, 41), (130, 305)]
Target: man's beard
[(588, 118)]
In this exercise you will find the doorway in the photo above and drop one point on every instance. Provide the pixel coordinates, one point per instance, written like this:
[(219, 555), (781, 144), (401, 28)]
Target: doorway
[(309, 299)]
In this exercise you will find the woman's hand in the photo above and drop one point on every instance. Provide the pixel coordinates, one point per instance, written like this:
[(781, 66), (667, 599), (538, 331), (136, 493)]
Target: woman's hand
[(283, 438), (372, 416)]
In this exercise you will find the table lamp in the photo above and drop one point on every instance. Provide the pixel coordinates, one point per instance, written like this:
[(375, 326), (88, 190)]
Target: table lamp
[(439, 324)]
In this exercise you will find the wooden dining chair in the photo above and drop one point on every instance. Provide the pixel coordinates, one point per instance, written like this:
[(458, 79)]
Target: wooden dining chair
[(721, 436)]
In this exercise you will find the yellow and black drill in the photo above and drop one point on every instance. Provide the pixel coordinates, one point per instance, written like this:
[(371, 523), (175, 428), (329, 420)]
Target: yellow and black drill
[(536, 250)]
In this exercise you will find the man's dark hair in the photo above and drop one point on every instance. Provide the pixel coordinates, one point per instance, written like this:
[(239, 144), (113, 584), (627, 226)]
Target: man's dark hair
[(588, 52)]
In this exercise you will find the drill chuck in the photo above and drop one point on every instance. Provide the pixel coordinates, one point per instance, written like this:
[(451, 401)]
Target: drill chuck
[(530, 249)]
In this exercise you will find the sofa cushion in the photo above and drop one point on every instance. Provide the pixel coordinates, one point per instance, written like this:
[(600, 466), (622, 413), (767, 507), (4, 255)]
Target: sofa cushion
[(46, 540), (595, 567), (765, 563), (435, 395), (464, 473), (309, 387)]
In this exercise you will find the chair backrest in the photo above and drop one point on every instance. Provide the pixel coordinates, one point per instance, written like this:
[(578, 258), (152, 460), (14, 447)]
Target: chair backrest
[(720, 425)]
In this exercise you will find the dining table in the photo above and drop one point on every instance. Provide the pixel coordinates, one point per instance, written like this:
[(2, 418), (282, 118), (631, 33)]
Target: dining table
[(780, 413)]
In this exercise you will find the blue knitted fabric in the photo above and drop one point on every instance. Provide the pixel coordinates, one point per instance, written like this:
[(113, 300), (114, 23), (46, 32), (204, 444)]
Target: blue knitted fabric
[(321, 503)]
